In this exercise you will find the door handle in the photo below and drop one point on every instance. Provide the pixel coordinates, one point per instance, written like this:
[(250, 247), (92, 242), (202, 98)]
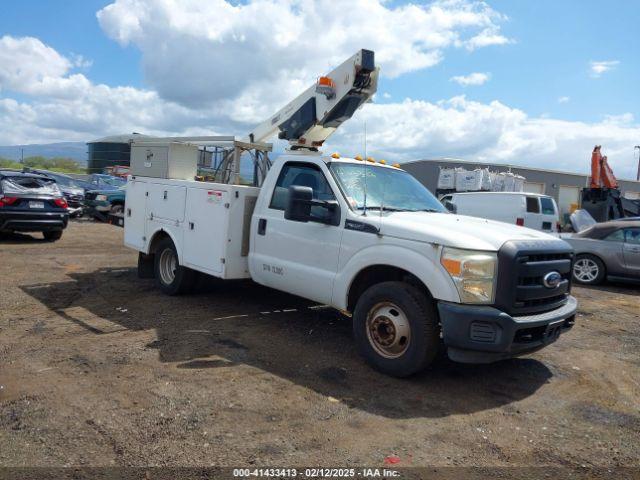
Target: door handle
[(262, 226)]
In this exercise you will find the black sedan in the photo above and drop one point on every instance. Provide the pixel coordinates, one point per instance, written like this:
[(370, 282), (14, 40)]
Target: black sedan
[(31, 202)]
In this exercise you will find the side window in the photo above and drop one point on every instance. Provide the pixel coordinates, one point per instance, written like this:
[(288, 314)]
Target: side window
[(533, 206), (446, 198), (548, 207), (632, 235), (617, 236), (304, 176)]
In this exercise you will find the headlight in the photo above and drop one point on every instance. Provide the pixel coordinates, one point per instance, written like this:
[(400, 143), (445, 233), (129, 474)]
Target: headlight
[(473, 272), (101, 198)]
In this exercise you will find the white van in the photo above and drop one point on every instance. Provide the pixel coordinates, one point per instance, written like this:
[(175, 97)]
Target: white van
[(532, 210)]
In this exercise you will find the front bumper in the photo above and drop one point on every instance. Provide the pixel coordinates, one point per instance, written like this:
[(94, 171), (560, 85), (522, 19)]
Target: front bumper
[(484, 334)]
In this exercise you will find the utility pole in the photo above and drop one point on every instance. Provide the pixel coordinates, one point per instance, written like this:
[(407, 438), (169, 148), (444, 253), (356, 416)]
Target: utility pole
[(638, 174), (22, 155)]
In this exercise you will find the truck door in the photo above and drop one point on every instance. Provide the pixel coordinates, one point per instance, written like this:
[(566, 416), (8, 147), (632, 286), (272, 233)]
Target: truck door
[(297, 257), (632, 251)]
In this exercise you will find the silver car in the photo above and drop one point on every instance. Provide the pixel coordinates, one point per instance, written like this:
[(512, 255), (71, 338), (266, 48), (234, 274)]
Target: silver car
[(609, 249)]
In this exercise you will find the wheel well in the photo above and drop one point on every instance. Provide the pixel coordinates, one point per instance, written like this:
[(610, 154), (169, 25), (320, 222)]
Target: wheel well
[(378, 274), (117, 202), (157, 238)]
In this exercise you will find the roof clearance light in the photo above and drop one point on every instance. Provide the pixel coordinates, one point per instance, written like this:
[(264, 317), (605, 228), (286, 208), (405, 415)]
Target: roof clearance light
[(326, 87), (358, 157), (335, 155), (370, 159), (383, 162), (397, 165)]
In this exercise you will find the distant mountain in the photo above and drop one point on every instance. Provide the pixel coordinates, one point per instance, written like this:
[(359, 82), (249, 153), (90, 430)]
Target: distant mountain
[(74, 150)]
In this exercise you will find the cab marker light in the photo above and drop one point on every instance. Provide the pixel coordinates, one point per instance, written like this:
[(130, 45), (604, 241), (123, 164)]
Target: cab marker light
[(335, 155), (358, 157), (396, 165), (382, 162), (370, 159)]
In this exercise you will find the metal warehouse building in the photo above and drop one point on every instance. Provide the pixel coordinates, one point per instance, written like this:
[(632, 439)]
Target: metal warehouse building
[(564, 187)]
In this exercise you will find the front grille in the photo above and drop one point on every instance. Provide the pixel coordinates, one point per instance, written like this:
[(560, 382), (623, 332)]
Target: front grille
[(522, 267)]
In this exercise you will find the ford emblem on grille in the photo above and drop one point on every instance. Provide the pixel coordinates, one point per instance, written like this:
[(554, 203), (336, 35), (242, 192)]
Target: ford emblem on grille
[(551, 279)]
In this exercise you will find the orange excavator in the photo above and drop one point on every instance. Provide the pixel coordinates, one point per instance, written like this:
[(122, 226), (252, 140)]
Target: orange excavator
[(602, 198)]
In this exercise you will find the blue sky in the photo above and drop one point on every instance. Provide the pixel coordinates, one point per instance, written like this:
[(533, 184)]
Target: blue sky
[(540, 79)]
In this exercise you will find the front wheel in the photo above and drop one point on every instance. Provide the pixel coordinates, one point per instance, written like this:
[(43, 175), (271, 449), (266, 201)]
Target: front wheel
[(395, 327), (588, 270), (171, 277)]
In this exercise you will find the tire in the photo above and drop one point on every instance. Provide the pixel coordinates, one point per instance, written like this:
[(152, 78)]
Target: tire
[(384, 315), (52, 235), (589, 270), (115, 209), (171, 277)]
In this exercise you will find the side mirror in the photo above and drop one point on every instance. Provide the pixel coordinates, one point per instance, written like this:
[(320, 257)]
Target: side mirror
[(299, 204), (450, 206)]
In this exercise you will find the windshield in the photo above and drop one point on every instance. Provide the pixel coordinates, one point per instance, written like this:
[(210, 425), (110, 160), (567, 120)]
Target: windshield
[(386, 188), (111, 181)]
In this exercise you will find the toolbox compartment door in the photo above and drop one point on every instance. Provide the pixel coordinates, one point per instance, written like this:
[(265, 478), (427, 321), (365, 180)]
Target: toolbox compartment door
[(135, 215), (166, 202), (206, 230)]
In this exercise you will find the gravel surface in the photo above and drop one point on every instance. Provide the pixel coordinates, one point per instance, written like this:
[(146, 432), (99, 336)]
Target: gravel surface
[(97, 368)]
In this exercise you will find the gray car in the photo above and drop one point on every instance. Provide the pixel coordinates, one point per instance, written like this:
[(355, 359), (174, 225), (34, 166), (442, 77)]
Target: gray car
[(609, 249)]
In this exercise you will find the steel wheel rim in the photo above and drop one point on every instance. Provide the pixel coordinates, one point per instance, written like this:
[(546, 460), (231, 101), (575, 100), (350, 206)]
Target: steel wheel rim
[(586, 270), (168, 264), (388, 330)]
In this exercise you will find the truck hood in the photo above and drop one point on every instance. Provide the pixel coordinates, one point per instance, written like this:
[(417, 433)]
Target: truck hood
[(455, 230)]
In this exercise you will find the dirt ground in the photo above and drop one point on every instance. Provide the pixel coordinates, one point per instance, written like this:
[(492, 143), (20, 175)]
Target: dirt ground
[(97, 368)]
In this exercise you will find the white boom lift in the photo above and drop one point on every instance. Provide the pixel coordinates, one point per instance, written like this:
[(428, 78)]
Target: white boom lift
[(306, 122), (413, 276)]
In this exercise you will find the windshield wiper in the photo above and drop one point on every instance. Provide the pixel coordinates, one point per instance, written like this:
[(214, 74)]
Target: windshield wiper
[(386, 209)]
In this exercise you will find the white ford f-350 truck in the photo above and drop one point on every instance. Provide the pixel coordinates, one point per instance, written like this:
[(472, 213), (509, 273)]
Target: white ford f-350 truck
[(361, 236)]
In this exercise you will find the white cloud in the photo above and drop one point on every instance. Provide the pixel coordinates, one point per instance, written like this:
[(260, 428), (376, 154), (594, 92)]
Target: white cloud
[(598, 68), (491, 132), (489, 36), (197, 52), (471, 79), (564, 99)]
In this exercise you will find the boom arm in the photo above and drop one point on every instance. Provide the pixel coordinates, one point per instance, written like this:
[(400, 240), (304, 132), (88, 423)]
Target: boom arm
[(308, 120), (601, 174)]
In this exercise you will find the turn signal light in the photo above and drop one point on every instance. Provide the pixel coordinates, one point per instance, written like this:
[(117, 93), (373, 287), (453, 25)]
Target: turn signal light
[(61, 202)]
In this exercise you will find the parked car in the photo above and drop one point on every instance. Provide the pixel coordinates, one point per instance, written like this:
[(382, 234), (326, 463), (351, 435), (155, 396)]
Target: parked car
[(30, 202), (72, 189), (100, 203), (532, 210), (101, 181), (609, 249)]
